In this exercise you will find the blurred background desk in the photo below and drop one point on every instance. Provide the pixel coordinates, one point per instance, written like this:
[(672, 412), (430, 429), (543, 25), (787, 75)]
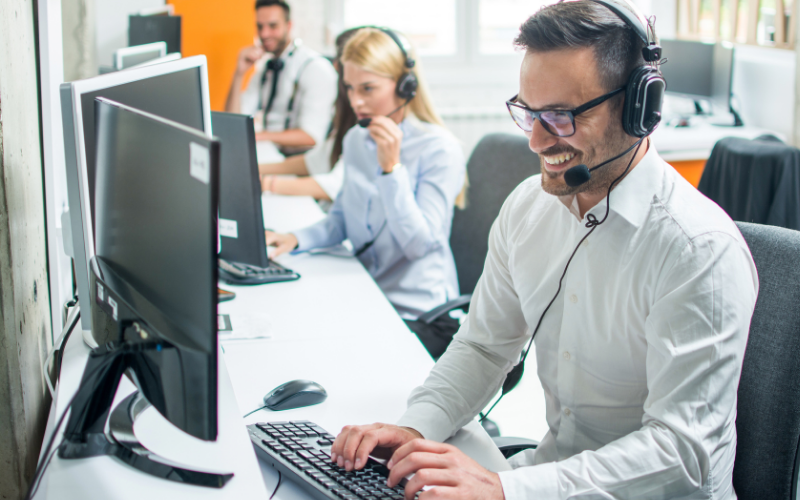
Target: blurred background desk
[(688, 148)]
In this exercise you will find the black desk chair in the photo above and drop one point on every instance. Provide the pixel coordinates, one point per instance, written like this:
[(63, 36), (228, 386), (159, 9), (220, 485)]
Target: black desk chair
[(768, 410), (497, 165), (755, 180)]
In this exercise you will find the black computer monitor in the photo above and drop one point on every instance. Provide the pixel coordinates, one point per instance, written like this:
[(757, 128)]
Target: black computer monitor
[(154, 296), (241, 220), (176, 90), (149, 29), (243, 247), (700, 71)]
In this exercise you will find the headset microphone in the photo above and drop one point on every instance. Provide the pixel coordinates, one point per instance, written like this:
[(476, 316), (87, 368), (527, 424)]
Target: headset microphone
[(580, 174), (365, 122)]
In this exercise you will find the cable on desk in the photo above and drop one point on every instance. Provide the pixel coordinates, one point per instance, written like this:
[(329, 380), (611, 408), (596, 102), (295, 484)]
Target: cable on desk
[(58, 350), (257, 409), (277, 485)]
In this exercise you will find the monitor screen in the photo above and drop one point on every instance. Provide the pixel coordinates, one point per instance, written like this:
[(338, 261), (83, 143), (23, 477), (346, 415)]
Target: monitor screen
[(175, 96), (241, 218), (176, 90), (157, 189), (132, 56), (698, 70)]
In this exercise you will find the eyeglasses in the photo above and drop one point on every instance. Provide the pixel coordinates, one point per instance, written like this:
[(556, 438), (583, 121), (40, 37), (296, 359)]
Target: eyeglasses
[(559, 122)]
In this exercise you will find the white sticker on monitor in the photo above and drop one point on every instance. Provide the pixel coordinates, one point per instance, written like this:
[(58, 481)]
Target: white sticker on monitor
[(200, 162), (228, 228), (114, 308), (101, 293)]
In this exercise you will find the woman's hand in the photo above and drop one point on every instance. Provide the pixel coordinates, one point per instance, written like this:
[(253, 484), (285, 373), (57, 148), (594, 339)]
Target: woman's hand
[(282, 242), (388, 136)]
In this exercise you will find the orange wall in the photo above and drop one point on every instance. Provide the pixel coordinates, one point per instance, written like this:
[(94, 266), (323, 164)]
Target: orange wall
[(691, 170), (218, 30)]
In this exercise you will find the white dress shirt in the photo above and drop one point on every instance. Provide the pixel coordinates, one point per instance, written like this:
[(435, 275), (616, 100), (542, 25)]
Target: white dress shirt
[(312, 109), (640, 355), (407, 214)]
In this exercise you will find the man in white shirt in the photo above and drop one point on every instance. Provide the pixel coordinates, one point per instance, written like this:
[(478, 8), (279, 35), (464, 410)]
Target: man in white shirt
[(292, 90), (639, 343)]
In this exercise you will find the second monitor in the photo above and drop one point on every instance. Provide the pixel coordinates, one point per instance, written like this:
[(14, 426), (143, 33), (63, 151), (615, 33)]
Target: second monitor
[(243, 247)]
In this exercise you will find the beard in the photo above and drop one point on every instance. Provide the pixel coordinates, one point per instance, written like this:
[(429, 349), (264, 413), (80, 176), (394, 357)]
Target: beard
[(614, 141)]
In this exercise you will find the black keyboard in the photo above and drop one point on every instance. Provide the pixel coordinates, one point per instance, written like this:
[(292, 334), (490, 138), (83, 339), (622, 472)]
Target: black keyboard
[(238, 273), (301, 450)]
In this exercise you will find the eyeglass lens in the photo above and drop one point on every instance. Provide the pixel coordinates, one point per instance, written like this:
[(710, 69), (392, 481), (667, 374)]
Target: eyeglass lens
[(556, 122)]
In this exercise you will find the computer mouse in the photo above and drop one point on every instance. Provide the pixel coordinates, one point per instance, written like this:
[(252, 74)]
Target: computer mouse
[(295, 394)]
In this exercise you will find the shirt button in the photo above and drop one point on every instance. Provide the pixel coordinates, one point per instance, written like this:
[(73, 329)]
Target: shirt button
[(573, 298), (567, 412), (585, 242), (566, 355)]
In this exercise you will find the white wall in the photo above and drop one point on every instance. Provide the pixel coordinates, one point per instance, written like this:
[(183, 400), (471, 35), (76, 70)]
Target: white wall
[(111, 25), (764, 87)]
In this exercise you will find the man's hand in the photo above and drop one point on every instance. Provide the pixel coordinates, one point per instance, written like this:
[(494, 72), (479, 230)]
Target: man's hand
[(247, 57), (282, 242), (452, 474), (356, 442), (388, 136)]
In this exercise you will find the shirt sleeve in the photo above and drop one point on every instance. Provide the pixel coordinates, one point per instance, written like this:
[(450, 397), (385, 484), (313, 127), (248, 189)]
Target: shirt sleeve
[(696, 334), (483, 351), (419, 221), (325, 233), (316, 97), (332, 182)]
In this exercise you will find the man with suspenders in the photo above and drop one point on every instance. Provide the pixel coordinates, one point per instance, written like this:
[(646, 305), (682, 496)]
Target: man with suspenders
[(292, 90)]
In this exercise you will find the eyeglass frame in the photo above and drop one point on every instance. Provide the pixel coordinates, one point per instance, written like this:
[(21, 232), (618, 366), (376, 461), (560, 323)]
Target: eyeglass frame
[(572, 112)]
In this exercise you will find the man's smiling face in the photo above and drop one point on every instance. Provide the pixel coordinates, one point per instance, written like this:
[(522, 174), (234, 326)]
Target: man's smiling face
[(565, 79)]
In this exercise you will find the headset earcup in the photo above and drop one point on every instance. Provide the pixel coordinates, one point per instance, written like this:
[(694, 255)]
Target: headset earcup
[(643, 100), (407, 86)]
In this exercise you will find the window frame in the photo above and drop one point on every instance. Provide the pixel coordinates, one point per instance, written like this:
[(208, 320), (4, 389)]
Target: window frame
[(689, 12)]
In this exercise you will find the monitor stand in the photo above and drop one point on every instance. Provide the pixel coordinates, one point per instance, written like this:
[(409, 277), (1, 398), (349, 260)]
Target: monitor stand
[(85, 435)]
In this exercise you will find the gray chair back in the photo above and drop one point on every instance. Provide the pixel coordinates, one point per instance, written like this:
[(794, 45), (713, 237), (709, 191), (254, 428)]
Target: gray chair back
[(497, 165), (768, 411)]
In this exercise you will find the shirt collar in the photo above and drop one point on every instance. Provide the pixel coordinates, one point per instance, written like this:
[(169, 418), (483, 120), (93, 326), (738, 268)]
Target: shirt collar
[(632, 197)]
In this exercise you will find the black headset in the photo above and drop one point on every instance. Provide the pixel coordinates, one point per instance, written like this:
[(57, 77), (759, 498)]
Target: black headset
[(644, 92), (407, 84)]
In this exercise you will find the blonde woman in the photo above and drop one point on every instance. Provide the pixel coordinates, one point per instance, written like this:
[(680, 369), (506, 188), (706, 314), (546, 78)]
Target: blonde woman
[(403, 175)]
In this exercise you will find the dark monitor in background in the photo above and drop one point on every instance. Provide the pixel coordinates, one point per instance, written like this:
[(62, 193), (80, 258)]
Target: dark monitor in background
[(243, 247), (153, 286), (175, 90), (149, 29), (700, 71)]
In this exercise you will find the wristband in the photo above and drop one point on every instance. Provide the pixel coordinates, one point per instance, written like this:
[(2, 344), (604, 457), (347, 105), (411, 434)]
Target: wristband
[(395, 166)]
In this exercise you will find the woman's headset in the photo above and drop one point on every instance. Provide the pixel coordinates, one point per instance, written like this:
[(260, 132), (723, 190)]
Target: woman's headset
[(407, 84)]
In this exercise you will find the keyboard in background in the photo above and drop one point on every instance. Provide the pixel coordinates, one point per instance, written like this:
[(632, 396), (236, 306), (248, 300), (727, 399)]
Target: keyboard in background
[(238, 273)]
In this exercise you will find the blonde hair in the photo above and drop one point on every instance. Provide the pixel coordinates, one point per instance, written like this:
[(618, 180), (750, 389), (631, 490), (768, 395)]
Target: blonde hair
[(376, 52)]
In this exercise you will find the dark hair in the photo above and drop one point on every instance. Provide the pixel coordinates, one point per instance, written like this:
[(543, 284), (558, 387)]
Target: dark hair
[(345, 118), (287, 11), (583, 24)]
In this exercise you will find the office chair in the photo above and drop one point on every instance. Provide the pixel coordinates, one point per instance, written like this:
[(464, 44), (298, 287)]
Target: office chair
[(755, 180), (498, 164), (768, 409)]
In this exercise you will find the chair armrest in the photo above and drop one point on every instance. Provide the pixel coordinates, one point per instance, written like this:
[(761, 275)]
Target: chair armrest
[(457, 303), (510, 446)]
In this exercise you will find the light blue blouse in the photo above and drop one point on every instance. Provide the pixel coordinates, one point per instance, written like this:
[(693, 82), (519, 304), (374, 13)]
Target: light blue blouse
[(411, 259)]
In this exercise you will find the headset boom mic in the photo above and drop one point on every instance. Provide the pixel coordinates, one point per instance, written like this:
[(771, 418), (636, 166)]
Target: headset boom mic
[(577, 175)]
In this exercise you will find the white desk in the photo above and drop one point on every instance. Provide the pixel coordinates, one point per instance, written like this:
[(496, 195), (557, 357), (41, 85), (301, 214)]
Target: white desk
[(696, 142), (333, 326)]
